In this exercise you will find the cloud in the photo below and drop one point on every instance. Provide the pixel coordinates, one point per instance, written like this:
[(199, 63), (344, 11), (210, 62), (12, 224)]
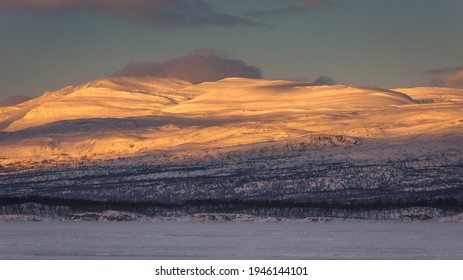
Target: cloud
[(197, 67), (446, 77), (290, 7), (439, 71), (455, 80), (436, 83), (163, 13), (166, 13), (14, 99), (324, 81), (306, 5)]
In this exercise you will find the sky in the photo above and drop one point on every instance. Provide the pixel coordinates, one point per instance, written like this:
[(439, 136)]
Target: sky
[(49, 44)]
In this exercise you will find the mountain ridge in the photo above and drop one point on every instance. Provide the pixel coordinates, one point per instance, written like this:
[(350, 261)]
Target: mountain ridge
[(127, 116)]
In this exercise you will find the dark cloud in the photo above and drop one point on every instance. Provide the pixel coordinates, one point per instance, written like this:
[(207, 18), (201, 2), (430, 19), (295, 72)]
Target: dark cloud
[(446, 77), (14, 99), (436, 83), (324, 81), (443, 71), (191, 13), (290, 7), (455, 80), (201, 66), (165, 13)]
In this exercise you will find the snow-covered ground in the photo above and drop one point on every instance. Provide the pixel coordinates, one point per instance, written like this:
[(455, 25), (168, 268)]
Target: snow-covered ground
[(120, 117), (232, 143), (184, 240), (303, 172)]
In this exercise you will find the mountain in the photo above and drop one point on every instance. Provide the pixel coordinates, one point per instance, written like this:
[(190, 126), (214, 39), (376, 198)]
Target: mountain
[(273, 142), (118, 117), (112, 97)]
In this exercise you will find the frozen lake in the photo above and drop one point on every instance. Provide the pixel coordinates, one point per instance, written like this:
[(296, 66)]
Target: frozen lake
[(178, 240)]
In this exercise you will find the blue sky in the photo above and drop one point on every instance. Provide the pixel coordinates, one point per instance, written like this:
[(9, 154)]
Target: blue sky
[(45, 45)]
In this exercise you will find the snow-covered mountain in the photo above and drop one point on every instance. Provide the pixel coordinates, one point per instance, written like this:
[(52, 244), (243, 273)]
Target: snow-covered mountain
[(106, 98), (157, 140), (119, 117)]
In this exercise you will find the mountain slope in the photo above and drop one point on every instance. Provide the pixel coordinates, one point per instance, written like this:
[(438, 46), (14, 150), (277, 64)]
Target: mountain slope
[(166, 147), (237, 96), (112, 97), (120, 117)]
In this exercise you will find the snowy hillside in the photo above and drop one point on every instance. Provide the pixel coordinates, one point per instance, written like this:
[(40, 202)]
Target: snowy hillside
[(119, 117), (234, 142)]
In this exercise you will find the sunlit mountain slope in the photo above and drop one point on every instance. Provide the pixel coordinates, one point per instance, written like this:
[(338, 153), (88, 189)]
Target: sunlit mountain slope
[(120, 117), (112, 97)]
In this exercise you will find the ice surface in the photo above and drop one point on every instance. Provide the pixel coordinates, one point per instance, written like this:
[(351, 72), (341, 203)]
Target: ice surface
[(182, 240)]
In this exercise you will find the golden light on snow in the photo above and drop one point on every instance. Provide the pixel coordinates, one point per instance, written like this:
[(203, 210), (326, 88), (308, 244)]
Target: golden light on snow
[(119, 117)]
